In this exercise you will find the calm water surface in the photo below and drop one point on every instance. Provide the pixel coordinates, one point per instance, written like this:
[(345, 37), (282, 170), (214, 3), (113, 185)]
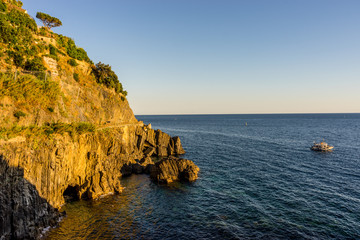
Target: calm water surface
[(258, 181)]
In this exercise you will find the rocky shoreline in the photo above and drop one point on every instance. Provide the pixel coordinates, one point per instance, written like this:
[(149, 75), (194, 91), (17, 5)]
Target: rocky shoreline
[(35, 182)]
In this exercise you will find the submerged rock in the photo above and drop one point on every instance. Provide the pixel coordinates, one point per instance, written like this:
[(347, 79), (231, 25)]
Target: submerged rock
[(174, 169)]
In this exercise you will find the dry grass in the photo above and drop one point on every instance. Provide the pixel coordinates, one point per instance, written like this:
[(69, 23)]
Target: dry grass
[(47, 130), (29, 91)]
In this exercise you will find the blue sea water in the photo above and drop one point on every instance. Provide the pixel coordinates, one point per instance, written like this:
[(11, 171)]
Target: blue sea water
[(257, 181)]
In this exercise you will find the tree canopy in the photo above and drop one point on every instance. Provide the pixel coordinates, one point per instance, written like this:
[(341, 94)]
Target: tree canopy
[(105, 75), (48, 20)]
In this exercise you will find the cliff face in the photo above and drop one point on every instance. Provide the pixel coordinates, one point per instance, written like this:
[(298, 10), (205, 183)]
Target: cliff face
[(70, 134), (23, 213), (88, 165), (80, 167)]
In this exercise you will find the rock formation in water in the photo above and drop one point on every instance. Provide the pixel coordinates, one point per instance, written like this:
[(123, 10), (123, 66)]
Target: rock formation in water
[(174, 169)]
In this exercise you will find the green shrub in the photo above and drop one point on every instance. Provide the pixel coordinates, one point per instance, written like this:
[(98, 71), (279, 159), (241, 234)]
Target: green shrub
[(74, 52), (83, 127), (53, 50), (43, 31), (16, 3), (32, 51), (73, 128), (36, 64), (2, 7), (16, 30), (18, 60), (17, 57), (41, 46), (72, 62), (19, 114), (61, 40), (50, 109), (104, 75), (22, 19), (76, 77)]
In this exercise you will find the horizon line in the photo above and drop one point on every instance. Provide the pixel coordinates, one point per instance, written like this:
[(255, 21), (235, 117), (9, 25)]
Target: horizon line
[(169, 114)]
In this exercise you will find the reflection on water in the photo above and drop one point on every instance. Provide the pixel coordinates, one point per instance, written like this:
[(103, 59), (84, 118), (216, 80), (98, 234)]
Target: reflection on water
[(109, 217), (128, 215)]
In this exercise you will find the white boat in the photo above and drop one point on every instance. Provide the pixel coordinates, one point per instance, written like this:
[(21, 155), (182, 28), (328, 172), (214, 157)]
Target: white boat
[(321, 147)]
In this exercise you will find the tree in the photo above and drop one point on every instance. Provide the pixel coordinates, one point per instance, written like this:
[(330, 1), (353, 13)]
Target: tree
[(105, 75), (48, 20)]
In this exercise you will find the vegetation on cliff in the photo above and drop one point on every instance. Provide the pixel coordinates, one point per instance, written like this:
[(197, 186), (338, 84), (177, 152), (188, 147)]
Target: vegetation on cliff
[(45, 78), (66, 125), (28, 91), (106, 76), (23, 46), (47, 130)]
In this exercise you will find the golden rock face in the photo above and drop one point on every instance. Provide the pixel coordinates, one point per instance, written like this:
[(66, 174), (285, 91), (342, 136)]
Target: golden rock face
[(174, 169), (80, 166), (91, 163)]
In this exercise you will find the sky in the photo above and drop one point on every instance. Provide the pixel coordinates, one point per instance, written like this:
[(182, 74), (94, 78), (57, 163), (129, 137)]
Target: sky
[(221, 56)]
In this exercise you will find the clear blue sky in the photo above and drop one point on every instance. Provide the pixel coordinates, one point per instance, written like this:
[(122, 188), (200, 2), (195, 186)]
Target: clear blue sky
[(224, 56)]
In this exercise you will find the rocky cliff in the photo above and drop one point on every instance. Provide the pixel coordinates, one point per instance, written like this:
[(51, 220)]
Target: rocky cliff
[(23, 212), (66, 128), (79, 167)]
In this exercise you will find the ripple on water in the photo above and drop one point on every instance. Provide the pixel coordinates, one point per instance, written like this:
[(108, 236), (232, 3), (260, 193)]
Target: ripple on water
[(256, 182)]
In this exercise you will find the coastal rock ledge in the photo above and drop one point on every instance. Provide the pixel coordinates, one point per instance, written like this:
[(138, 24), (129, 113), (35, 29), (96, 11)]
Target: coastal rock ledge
[(174, 169), (37, 176)]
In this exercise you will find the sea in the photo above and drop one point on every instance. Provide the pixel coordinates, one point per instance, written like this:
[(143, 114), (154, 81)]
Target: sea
[(258, 180)]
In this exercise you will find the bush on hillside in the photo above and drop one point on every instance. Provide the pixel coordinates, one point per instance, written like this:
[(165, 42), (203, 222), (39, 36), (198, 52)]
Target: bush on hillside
[(72, 62), (16, 30), (76, 77), (61, 40), (75, 52), (35, 64), (21, 19), (32, 51), (16, 3), (19, 114), (52, 50), (104, 75), (18, 59), (2, 7), (47, 129)]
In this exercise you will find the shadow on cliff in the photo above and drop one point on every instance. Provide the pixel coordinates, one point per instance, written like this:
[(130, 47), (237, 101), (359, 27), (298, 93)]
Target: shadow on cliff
[(23, 212)]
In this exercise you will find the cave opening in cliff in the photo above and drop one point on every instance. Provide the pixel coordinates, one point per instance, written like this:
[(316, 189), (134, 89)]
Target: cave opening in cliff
[(71, 193)]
